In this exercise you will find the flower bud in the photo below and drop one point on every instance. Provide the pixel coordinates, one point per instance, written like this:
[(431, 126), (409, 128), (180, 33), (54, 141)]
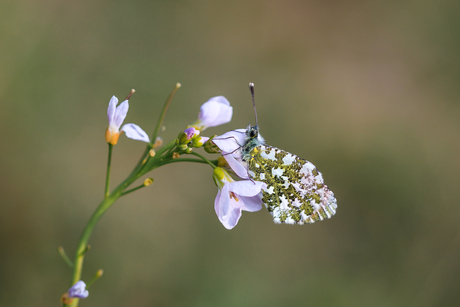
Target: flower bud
[(187, 135), (182, 146), (221, 162), (221, 177), (210, 147), (148, 181), (158, 142), (77, 291), (65, 299), (199, 141)]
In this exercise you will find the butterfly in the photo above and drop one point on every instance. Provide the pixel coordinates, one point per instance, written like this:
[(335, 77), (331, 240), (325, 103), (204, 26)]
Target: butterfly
[(295, 192)]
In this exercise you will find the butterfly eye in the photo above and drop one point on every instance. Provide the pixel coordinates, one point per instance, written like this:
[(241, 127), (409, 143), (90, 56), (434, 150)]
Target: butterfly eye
[(253, 133)]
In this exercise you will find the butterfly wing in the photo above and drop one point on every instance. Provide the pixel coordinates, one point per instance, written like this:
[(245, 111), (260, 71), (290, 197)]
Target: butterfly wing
[(295, 193)]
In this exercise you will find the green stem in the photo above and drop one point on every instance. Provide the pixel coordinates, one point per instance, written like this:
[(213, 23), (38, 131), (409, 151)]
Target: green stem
[(104, 206), (84, 238), (163, 113), (145, 165), (132, 190), (158, 126), (171, 150), (107, 179), (154, 162), (183, 160), (204, 159), (64, 256), (95, 277)]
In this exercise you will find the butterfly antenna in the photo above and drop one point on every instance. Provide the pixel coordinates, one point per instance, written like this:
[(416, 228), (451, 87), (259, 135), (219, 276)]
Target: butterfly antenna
[(251, 88)]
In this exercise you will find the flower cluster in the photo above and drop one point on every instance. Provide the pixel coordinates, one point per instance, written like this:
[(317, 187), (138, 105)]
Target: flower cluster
[(190, 138), (233, 197)]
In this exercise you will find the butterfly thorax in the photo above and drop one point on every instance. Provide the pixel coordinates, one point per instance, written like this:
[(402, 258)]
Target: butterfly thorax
[(250, 143)]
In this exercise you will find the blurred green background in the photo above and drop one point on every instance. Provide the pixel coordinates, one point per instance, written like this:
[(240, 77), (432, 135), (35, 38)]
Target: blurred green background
[(366, 90)]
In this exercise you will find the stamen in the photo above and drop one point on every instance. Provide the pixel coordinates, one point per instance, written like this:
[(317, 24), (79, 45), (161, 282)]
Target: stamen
[(233, 195)]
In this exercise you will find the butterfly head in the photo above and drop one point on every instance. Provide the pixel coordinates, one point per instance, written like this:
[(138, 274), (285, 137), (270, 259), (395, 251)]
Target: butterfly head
[(252, 132)]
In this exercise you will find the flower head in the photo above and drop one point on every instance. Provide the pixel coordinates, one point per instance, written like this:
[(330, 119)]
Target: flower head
[(191, 137), (116, 116), (216, 111), (78, 290), (235, 196)]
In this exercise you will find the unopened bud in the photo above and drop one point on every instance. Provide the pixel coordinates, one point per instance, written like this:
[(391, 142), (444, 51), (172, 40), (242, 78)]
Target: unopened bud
[(221, 177), (182, 146), (148, 181), (158, 142), (199, 141), (101, 271), (210, 147), (175, 155), (221, 162), (65, 299), (187, 135)]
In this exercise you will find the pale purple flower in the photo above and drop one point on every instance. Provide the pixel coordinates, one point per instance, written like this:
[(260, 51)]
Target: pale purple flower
[(78, 290), (116, 116), (234, 197), (216, 111)]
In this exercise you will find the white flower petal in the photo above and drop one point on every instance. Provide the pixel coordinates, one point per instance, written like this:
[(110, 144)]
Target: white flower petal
[(216, 111), (237, 166), (246, 187), (135, 132), (222, 203), (120, 113), (111, 109), (231, 141), (233, 217), (252, 204)]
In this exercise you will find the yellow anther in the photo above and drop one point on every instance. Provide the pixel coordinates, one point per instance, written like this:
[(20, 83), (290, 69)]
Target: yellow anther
[(233, 195)]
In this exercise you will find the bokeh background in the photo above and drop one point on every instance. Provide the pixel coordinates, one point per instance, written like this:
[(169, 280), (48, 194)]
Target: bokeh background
[(366, 90)]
